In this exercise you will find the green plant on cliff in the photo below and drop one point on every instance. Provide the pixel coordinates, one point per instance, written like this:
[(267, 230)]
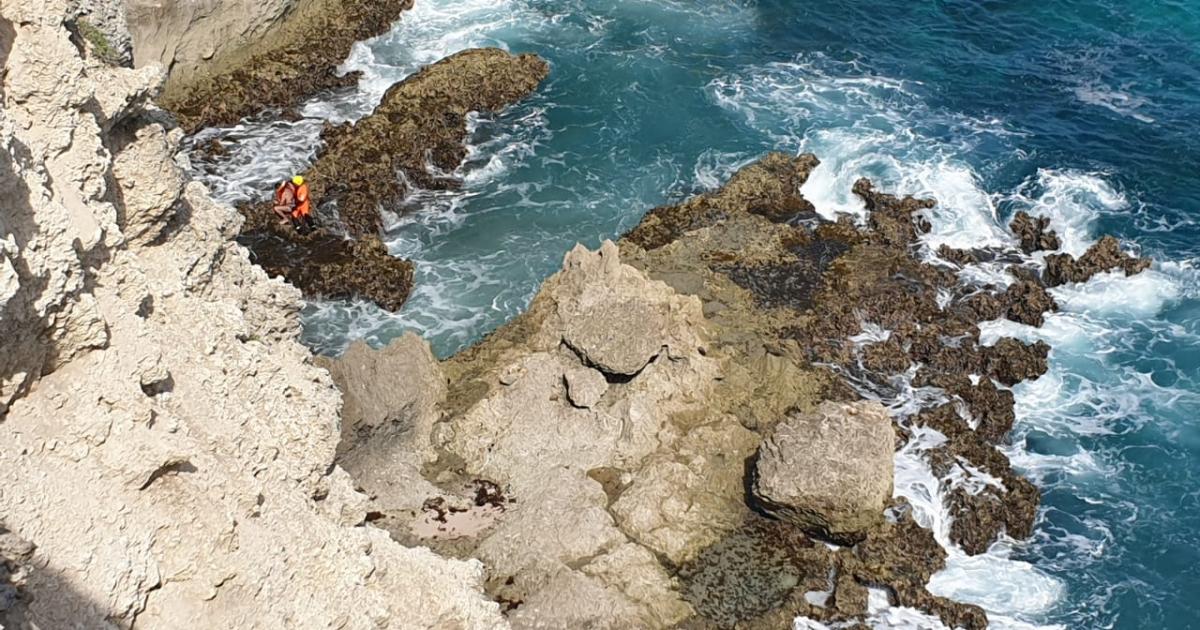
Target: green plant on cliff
[(98, 43)]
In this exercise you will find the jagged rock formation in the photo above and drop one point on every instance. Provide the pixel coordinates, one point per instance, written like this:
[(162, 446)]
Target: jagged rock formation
[(279, 67), (618, 417), (167, 445), (421, 118), (102, 23), (1105, 255), (595, 452), (1033, 234)]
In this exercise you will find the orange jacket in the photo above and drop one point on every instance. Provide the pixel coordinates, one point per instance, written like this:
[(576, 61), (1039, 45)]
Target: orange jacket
[(303, 207), (289, 194)]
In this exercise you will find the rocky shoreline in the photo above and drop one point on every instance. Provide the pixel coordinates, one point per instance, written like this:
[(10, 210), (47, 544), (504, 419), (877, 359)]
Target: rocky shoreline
[(693, 427), (291, 62), (677, 412), (421, 122)]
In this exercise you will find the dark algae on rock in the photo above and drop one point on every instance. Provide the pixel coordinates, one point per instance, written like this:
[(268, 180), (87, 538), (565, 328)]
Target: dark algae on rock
[(355, 176), (814, 286), (298, 59)]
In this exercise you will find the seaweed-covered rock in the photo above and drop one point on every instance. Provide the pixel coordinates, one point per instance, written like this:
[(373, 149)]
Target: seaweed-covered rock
[(771, 183), (829, 471), (1104, 255), (356, 173), (984, 494), (1033, 234), (322, 264), (423, 117), (284, 67), (1010, 361), (1028, 303)]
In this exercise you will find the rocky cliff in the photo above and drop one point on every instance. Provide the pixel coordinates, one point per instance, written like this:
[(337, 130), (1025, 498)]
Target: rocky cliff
[(166, 447), (228, 59), (186, 38)]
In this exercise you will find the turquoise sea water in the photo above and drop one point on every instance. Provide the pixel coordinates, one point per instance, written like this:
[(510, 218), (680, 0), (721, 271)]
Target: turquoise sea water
[(1085, 112)]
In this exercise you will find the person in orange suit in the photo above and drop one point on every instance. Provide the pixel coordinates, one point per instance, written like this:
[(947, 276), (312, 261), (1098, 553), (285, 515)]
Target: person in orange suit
[(293, 204)]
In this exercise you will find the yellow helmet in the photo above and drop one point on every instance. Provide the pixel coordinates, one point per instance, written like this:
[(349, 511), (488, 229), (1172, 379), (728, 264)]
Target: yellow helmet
[(297, 180)]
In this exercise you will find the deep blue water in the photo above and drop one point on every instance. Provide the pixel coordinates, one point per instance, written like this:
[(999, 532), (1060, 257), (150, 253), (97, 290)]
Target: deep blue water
[(1083, 111)]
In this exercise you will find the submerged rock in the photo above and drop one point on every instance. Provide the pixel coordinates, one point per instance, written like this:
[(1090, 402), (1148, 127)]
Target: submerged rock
[(829, 471)]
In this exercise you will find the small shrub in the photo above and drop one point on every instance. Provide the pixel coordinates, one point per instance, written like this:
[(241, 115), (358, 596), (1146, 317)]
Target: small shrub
[(98, 43)]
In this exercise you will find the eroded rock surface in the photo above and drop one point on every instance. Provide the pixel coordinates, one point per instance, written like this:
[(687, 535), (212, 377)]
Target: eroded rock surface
[(1033, 234), (621, 445), (273, 55), (1105, 255), (829, 471)]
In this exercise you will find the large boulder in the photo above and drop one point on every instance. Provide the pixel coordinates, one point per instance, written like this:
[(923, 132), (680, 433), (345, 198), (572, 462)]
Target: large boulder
[(829, 471), (395, 388)]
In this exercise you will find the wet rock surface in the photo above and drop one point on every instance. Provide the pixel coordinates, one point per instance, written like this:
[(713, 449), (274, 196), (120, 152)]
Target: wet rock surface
[(327, 265), (420, 121), (354, 177), (284, 66), (1033, 234), (1105, 255)]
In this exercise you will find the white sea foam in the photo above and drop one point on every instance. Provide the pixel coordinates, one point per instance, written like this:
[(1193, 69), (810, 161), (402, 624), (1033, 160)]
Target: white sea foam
[(878, 138), (431, 30), (1072, 200), (1117, 101)]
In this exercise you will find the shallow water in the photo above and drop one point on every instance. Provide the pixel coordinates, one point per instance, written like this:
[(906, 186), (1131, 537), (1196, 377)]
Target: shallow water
[(1080, 111)]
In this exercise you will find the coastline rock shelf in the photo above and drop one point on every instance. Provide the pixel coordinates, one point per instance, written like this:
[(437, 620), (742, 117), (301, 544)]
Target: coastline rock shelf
[(686, 429), (423, 118), (677, 424), (166, 445), (296, 54)]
